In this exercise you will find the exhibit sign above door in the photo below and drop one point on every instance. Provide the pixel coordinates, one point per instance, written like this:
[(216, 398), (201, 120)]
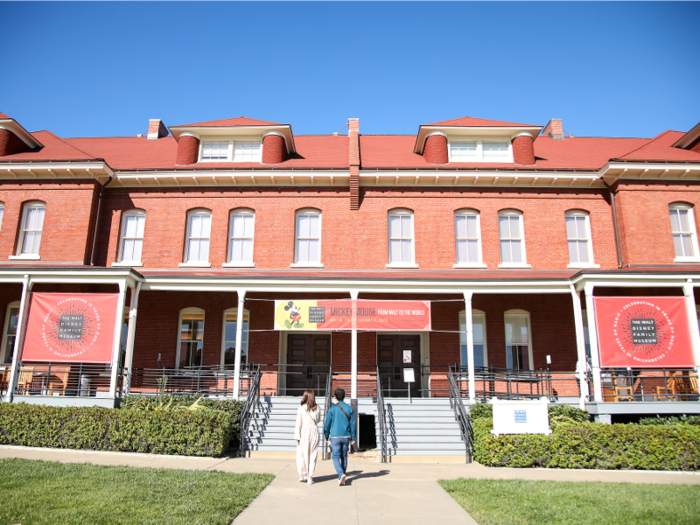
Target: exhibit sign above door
[(346, 314)]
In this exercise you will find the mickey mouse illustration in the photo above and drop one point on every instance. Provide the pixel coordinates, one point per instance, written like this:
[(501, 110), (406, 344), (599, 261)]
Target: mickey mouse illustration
[(294, 314)]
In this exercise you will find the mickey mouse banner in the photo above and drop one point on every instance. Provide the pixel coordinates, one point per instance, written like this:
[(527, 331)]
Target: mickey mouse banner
[(76, 328), (339, 315), (643, 332)]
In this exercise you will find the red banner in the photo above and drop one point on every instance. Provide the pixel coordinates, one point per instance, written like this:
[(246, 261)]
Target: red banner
[(376, 316), (70, 328), (643, 332)]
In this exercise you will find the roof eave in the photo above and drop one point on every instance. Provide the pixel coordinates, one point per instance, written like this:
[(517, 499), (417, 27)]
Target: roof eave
[(12, 125)]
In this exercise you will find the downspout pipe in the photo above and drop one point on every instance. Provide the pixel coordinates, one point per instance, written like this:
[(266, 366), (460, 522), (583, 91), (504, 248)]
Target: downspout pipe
[(97, 221), (617, 231)]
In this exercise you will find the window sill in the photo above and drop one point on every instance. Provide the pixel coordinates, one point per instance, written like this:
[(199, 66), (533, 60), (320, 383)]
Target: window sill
[(126, 264), (402, 265), (583, 266), (307, 265), (26, 257), (676, 260), (238, 265), (469, 265), (197, 264), (515, 265)]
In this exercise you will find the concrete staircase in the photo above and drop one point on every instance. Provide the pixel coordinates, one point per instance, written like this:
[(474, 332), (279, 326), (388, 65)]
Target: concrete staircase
[(424, 427)]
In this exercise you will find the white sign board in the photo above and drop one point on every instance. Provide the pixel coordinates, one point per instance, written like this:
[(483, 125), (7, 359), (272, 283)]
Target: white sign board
[(521, 417), (409, 375), (407, 357)]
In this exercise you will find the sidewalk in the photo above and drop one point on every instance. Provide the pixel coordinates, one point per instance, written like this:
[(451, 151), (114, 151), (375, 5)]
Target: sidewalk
[(386, 493)]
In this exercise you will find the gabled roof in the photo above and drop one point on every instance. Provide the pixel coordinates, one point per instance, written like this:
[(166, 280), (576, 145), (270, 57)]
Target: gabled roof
[(479, 122), (54, 149), (229, 123), (661, 149), (2, 115)]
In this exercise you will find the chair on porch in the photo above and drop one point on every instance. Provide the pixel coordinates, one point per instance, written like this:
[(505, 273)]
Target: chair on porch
[(667, 392), (25, 379), (623, 388), (686, 388), (58, 380)]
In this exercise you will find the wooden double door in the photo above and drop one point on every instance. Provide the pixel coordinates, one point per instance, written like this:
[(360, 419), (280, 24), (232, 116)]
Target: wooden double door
[(395, 352), (308, 359)]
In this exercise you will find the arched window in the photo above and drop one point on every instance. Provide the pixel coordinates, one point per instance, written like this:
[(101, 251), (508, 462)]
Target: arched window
[(468, 239), (189, 348), (685, 241), (131, 241), (479, 334), (31, 229), (518, 340), (578, 236), (9, 334), (307, 232), (228, 342), (512, 236), (198, 234), (401, 244), (241, 231)]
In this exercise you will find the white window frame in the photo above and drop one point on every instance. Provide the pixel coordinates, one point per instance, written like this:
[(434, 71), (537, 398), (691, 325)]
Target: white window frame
[(2, 212), (468, 212), (479, 157), (230, 263), (308, 264), (122, 238), (476, 314), (3, 353), (23, 231), (681, 206), (521, 223), (589, 239), (244, 342), (196, 264), (520, 314), (182, 313), (401, 212), (230, 155)]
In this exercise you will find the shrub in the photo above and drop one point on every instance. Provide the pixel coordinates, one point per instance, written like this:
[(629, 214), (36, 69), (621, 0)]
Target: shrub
[(670, 420), (591, 445), (480, 410), (559, 414), (182, 432), (173, 402)]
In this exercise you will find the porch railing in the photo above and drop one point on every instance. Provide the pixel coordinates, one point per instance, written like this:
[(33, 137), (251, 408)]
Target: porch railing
[(248, 411), (461, 415), (649, 385), (62, 379), (381, 415)]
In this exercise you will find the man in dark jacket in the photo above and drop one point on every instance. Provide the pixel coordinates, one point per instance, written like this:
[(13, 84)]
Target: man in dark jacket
[(340, 428)]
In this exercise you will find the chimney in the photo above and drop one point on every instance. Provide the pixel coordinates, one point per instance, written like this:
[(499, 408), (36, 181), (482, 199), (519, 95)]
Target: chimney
[(156, 129), (554, 129), (354, 161)]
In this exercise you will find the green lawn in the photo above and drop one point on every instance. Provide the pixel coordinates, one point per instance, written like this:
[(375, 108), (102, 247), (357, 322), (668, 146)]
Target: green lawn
[(42, 492), (496, 502)]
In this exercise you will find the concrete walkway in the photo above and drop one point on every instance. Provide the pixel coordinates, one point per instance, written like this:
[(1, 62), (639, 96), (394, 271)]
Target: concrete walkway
[(390, 493)]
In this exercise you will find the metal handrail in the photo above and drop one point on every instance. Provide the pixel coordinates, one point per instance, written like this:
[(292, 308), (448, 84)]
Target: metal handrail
[(325, 455), (381, 414), (461, 415), (249, 408)]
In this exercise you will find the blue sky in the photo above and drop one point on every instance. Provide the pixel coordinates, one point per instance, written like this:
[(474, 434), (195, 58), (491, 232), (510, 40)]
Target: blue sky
[(104, 69)]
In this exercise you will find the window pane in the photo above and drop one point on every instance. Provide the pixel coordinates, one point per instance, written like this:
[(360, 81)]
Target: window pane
[(249, 222), (683, 217), (2, 213), (505, 252), (394, 251), (478, 329), (406, 254), (516, 251), (314, 227), (581, 227), (479, 356), (678, 245), (195, 226), (131, 227), (406, 227), (138, 247), (128, 252), (236, 250), (503, 227), (471, 227), (573, 252), (230, 334), (314, 255), (571, 227), (462, 256), (461, 226), (193, 251), (303, 226), (582, 251), (206, 226), (473, 251), (140, 226), (238, 225), (516, 330), (687, 248), (302, 251), (675, 221), (247, 255), (394, 226)]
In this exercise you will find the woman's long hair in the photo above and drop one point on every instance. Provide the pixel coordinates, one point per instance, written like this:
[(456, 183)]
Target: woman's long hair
[(309, 400)]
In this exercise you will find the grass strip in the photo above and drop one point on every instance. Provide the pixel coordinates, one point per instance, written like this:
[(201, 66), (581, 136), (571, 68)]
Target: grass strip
[(501, 502), (44, 492)]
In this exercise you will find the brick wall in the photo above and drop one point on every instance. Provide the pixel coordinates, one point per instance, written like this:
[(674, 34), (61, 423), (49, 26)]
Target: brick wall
[(357, 239), (187, 150), (11, 143), (67, 220), (435, 150), (274, 149)]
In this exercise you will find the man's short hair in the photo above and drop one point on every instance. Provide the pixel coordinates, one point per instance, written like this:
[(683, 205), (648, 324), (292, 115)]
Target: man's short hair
[(339, 394)]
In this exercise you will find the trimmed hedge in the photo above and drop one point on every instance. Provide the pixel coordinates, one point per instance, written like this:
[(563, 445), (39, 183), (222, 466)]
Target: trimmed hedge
[(591, 446), (154, 403), (181, 432)]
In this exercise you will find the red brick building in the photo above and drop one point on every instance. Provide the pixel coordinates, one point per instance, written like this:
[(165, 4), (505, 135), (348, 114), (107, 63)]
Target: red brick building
[(508, 230)]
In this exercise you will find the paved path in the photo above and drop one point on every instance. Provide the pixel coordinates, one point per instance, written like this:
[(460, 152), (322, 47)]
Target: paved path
[(390, 493)]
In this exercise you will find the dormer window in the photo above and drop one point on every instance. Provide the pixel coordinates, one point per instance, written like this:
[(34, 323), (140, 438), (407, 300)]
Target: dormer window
[(231, 151), (480, 151)]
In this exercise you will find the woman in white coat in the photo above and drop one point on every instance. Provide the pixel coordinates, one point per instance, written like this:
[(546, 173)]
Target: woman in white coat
[(306, 434)]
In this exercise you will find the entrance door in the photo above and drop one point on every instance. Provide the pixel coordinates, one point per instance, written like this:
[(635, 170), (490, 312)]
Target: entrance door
[(394, 353), (309, 356)]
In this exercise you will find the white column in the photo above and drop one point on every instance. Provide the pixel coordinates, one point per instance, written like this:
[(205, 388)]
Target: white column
[(691, 307), (19, 340), (580, 347), (593, 339), (239, 342), (131, 334), (353, 346), (469, 323), (117, 340)]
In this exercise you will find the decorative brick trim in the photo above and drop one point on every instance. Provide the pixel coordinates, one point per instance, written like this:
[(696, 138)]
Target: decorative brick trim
[(354, 187), (274, 149), (435, 150), (523, 149), (187, 150)]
